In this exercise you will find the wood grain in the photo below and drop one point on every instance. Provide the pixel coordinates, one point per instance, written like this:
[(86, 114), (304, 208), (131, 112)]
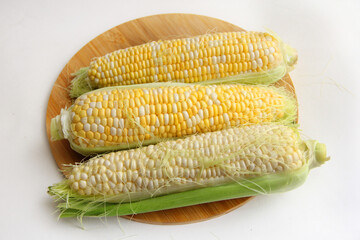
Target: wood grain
[(135, 32)]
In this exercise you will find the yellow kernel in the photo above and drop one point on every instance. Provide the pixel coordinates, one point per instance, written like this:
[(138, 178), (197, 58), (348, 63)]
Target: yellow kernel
[(103, 136), (78, 126), (152, 119), (158, 109), (207, 123), (81, 133), (76, 119), (90, 135), (97, 135), (162, 129), (102, 113)]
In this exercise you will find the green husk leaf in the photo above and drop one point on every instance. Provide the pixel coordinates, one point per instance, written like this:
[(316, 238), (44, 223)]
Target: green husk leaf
[(80, 84), (272, 183), (74, 205)]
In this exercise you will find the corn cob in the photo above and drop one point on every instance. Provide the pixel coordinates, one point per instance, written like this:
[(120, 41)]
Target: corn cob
[(244, 57), (236, 162), (128, 116)]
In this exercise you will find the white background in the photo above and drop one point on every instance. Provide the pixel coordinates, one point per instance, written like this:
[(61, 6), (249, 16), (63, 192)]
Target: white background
[(37, 38)]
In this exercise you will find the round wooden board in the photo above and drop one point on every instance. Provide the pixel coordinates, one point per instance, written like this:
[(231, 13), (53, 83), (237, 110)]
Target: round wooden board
[(135, 32)]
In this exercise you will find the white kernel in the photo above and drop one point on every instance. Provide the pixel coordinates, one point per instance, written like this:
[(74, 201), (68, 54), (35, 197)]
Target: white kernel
[(182, 56), (211, 120), (259, 62), (157, 122), (130, 132), (187, 94), (253, 64), (112, 185), (82, 184), (121, 123), (176, 171), (106, 187), (252, 56), (99, 187), (251, 47), (99, 105), (193, 119), (92, 104), (166, 119), (176, 97), (201, 113), (150, 185), (208, 173), (191, 55), (189, 123), (186, 74), (71, 178), (223, 59), (107, 163), (77, 176), (101, 129), (139, 181), (87, 127), (84, 176), (84, 120), (92, 181), (186, 173), (185, 115), (242, 165), (141, 111), (113, 131), (113, 112), (190, 161), (272, 49), (89, 111), (97, 120), (213, 96), (159, 173), (119, 132), (133, 164), (226, 117), (174, 108), (75, 185), (271, 58)]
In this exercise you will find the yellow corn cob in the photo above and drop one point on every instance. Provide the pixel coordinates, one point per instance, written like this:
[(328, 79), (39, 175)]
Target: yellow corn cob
[(245, 57), (121, 117), (236, 162)]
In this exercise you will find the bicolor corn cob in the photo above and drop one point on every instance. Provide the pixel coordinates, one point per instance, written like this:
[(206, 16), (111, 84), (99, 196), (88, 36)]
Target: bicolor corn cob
[(124, 117), (244, 57), (236, 162)]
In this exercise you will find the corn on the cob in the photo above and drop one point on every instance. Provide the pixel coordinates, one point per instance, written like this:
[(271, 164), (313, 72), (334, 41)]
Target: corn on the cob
[(244, 57), (124, 117), (237, 162)]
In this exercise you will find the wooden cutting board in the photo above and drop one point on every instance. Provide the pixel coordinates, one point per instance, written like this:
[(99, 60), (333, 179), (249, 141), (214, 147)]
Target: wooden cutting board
[(135, 32)]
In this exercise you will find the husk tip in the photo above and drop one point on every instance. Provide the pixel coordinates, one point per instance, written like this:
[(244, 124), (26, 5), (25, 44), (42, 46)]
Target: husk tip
[(320, 153), (56, 129)]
